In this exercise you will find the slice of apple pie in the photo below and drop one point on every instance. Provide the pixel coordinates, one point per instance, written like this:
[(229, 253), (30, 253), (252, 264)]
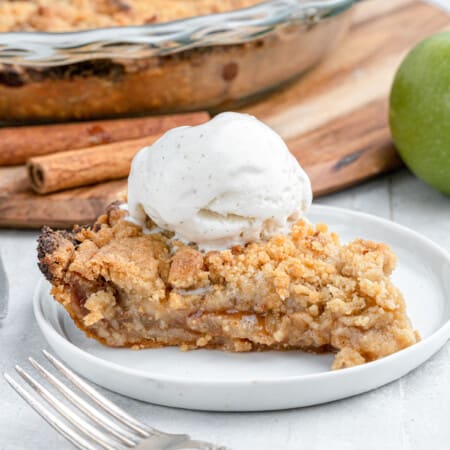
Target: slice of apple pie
[(304, 290)]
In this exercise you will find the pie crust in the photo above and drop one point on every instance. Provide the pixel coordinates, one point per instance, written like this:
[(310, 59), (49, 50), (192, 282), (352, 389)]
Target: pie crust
[(306, 290)]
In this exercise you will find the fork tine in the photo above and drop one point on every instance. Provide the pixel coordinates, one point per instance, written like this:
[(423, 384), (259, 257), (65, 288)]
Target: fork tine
[(124, 436), (103, 402), (73, 437), (67, 413)]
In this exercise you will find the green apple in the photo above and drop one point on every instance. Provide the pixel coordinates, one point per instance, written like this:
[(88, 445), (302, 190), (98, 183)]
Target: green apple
[(419, 112)]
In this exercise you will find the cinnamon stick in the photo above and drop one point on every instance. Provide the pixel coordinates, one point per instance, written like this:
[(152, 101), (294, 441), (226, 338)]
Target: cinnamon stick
[(64, 170), (18, 144)]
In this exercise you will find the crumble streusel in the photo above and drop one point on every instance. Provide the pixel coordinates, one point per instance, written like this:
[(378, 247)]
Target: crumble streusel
[(71, 15)]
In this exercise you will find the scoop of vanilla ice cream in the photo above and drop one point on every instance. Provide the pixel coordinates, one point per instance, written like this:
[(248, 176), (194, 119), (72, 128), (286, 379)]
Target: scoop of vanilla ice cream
[(229, 181)]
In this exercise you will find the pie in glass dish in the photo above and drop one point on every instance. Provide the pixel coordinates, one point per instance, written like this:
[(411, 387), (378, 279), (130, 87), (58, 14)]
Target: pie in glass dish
[(84, 59), (212, 250)]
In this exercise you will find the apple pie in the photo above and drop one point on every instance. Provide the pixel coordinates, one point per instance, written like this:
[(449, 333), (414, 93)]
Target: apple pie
[(211, 63), (127, 287)]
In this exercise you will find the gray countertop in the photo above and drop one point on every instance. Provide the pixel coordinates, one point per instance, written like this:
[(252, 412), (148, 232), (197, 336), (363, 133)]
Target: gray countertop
[(408, 414)]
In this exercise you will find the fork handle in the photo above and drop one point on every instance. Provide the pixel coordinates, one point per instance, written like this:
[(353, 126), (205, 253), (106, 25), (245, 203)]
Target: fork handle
[(164, 442)]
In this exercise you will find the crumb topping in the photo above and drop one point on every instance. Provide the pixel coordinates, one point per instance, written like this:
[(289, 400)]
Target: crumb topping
[(71, 15)]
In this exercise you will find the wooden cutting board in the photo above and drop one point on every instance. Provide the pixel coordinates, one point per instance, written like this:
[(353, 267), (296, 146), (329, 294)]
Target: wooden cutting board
[(334, 118)]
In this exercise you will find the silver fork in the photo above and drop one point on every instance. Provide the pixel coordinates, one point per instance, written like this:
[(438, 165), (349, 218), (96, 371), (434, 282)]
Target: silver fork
[(115, 430)]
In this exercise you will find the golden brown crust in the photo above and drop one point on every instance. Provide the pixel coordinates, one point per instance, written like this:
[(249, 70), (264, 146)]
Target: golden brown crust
[(305, 291), (191, 80), (55, 249)]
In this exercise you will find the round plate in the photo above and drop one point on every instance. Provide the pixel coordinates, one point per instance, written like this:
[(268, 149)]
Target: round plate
[(220, 381)]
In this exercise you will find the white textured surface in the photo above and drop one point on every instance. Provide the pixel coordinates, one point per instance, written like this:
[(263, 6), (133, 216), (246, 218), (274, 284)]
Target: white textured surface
[(233, 180), (409, 414)]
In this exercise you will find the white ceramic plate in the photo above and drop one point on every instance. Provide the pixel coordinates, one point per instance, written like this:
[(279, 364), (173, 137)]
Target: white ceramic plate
[(219, 381)]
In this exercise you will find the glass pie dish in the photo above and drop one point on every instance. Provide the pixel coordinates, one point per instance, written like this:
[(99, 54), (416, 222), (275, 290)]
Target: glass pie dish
[(214, 62)]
